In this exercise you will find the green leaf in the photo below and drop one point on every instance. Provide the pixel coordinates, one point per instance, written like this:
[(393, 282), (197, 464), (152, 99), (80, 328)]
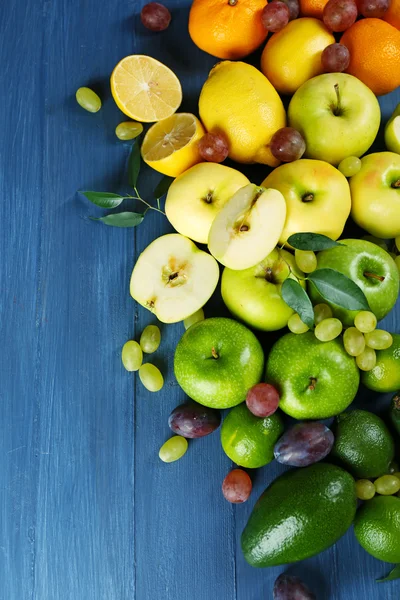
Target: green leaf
[(296, 297), (394, 574), (134, 165), (123, 219), (104, 199), (163, 187), (338, 289), (312, 241)]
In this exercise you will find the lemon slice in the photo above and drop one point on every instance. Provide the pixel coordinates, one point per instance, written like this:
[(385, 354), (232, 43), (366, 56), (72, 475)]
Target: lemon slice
[(171, 146), (145, 89)]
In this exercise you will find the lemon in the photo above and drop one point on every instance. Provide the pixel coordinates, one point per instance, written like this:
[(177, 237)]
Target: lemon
[(239, 101), (145, 89), (171, 145)]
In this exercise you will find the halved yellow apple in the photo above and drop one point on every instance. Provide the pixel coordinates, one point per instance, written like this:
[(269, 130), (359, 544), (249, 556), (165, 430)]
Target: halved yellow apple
[(173, 278), (248, 227)]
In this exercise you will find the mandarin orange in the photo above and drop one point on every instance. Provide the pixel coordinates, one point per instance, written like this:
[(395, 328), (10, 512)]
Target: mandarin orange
[(392, 15), (312, 8)]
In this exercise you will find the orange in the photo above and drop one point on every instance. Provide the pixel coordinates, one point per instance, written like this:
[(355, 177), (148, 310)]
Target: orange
[(227, 28), (374, 54), (312, 8), (392, 15)]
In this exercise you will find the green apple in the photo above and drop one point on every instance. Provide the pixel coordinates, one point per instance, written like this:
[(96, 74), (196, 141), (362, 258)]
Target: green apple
[(254, 295), (248, 227), (316, 380), (195, 198), (392, 131), (385, 376), (370, 267), (217, 361), (337, 115), (375, 194), (173, 278), (317, 197)]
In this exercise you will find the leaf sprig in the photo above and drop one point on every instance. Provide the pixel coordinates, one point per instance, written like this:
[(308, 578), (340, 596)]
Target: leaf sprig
[(394, 574)]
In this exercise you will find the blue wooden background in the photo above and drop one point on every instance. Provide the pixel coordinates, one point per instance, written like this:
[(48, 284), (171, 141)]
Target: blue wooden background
[(87, 510)]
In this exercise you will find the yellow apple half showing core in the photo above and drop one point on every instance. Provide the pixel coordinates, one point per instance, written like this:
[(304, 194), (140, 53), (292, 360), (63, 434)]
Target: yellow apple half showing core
[(173, 278), (196, 196), (248, 227), (375, 194), (317, 197)]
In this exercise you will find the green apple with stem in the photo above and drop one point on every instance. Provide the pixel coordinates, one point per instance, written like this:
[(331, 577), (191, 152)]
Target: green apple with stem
[(217, 361), (370, 267), (337, 115), (254, 295)]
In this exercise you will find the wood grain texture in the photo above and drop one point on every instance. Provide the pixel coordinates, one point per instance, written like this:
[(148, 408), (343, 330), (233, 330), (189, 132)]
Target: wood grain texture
[(87, 510)]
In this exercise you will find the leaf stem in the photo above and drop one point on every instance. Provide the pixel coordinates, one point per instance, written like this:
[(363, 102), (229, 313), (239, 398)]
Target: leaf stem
[(146, 203)]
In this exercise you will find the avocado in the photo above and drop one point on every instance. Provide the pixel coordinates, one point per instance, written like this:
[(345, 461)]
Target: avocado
[(300, 514)]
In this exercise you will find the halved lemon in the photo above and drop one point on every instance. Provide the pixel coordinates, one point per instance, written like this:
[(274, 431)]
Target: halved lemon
[(145, 89), (171, 146)]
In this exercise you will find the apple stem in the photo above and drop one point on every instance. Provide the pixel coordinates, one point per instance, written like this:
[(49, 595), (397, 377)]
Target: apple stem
[(338, 109), (307, 197), (214, 353), (396, 184), (374, 276), (313, 383), (244, 228)]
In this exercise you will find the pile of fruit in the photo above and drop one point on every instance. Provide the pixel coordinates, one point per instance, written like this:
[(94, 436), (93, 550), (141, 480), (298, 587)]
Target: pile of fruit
[(284, 262)]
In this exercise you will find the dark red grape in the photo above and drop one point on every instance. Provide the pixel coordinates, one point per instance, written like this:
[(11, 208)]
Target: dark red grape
[(293, 6), (373, 8), (335, 58), (287, 144), (155, 16), (289, 587), (275, 16), (237, 486), (262, 399), (339, 15), (304, 444), (213, 147), (192, 420)]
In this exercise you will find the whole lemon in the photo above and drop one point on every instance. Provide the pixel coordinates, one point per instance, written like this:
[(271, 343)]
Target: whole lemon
[(293, 55), (239, 101)]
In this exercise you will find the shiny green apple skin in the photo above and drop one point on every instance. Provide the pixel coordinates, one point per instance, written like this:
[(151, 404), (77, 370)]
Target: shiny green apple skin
[(254, 295), (392, 131), (334, 132)]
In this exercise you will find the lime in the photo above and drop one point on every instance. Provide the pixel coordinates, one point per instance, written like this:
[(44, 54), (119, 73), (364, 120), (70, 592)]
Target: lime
[(377, 528), (248, 440), (385, 376)]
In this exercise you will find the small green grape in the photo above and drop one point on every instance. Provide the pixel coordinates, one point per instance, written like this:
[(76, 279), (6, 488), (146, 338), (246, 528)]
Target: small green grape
[(150, 339), (387, 485), (128, 130), (365, 489), (132, 356), (378, 339), (365, 321), (350, 166), (397, 261), (306, 260), (296, 325), (151, 377), (173, 449), (88, 99), (377, 241), (397, 242), (353, 341), (194, 318), (328, 329), (396, 474), (366, 361), (321, 312)]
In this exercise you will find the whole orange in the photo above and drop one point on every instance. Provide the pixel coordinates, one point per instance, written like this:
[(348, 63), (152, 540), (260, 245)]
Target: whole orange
[(392, 15), (227, 28), (312, 8), (374, 47)]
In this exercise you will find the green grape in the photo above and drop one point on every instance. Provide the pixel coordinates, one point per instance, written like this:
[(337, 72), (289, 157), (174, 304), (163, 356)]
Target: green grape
[(88, 99), (366, 360), (194, 318), (328, 329), (150, 339), (397, 261), (365, 489), (296, 325), (377, 241), (321, 312), (397, 242), (151, 377), (128, 130), (173, 449), (350, 166), (306, 260), (396, 474), (132, 356), (378, 339), (387, 485), (365, 321), (354, 342)]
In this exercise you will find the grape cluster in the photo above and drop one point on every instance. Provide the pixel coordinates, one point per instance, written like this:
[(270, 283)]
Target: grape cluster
[(132, 358), (386, 485)]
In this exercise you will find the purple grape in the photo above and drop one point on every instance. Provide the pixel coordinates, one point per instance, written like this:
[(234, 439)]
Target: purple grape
[(192, 420), (289, 587), (304, 444)]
